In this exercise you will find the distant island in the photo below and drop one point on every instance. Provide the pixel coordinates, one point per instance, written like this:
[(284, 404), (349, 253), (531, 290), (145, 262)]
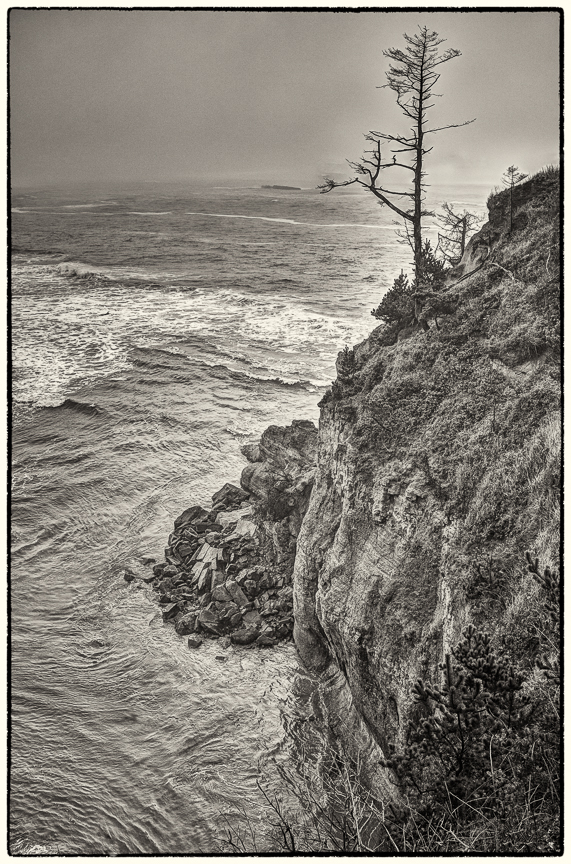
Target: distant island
[(298, 188)]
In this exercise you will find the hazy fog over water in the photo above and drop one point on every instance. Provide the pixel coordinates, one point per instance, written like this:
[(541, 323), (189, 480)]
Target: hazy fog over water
[(267, 96)]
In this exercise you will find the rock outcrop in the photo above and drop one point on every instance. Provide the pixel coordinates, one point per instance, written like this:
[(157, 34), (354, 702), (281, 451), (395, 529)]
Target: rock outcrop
[(438, 462), (227, 570)]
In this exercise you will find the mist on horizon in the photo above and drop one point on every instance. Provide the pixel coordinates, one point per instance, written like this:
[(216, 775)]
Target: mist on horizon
[(264, 97)]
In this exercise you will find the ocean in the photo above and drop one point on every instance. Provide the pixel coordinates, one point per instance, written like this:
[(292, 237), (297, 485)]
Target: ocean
[(155, 329)]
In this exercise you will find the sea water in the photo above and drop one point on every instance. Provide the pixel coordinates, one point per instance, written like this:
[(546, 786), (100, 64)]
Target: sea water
[(156, 329)]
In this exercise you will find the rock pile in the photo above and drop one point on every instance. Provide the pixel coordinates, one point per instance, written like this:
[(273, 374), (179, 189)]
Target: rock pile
[(215, 581)]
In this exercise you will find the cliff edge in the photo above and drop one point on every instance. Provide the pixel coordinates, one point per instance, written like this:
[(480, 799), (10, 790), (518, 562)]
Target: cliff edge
[(438, 467)]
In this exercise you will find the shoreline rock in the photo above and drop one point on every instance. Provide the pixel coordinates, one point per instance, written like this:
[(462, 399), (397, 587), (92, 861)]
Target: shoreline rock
[(227, 572)]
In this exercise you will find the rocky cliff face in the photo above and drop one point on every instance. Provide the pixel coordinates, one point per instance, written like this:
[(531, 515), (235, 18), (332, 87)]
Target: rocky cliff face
[(438, 466)]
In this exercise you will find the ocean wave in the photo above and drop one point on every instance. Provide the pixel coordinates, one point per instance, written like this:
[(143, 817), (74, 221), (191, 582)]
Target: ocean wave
[(238, 374), (76, 270), (293, 221), (87, 408)]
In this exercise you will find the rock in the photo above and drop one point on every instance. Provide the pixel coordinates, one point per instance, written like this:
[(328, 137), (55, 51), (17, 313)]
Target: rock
[(251, 452), (170, 611), (251, 587), (186, 624), (128, 576), (245, 636), (212, 537), (220, 594), (226, 642), (209, 620), (236, 620), (166, 585), (149, 579), (147, 559), (171, 570), (194, 641), (266, 641), (230, 518), (221, 657), (229, 495), (184, 550), (206, 527), (235, 592), (217, 578), (206, 599), (190, 515), (205, 580), (252, 617)]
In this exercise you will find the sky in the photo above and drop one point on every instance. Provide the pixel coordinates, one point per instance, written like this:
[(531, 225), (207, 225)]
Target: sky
[(268, 96)]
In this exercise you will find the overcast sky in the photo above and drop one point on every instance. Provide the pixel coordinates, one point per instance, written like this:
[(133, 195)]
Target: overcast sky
[(268, 96)]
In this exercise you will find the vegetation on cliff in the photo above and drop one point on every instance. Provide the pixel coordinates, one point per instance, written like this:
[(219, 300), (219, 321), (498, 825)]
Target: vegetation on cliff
[(439, 467)]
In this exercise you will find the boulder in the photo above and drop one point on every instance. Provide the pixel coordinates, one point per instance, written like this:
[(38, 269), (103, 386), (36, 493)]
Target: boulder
[(229, 495), (194, 641), (148, 579), (252, 617), (190, 515), (235, 592), (147, 559), (209, 620), (266, 641), (245, 636), (184, 550), (226, 642), (233, 516), (170, 570), (251, 452), (217, 578), (212, 537), (128, 576), (187, 624), (220, 594)]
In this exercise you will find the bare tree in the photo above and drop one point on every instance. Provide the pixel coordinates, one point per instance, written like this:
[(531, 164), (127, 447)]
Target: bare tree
[(412, 77), (457, 227), (510, 178)]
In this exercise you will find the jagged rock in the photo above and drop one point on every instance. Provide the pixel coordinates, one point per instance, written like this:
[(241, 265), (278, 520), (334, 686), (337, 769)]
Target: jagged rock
[(220, 594), (230, 496), (190, 515), (147, 559), (226, 642), (245, 636), (252, 617), (251, 452), (186, 624), (170, 611), (212, 537), (128, 576), (206, 599), (158, 569), (209, 620), (235, 592), (184, 550), (204, 581), (194, 641), (265, 641), (170, 570)]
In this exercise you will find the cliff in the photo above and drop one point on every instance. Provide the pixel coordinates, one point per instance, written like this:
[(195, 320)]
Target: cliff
[(438, 467)]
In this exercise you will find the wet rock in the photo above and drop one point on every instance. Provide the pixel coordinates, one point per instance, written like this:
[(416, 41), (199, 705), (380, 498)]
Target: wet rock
[(205, 580), (212, 537), (170, 570), (128, 576), (245, 636), (226, 642), (217, 578), (194, 641), (147, 559), (230, 496), (221, 657), (206, 599), (265, 641), (190, 515), (186, 624), (250, 587), (184, 550)]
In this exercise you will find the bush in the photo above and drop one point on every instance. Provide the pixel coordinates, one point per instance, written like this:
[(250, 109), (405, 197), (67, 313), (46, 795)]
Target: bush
[(398, 305)]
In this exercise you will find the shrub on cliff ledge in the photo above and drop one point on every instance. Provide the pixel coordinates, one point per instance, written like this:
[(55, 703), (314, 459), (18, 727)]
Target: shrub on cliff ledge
[(480, 769)]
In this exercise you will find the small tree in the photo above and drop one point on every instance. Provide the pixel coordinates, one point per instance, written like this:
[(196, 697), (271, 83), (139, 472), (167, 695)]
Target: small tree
[(510, 178), (411, 77), (457, 226)]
